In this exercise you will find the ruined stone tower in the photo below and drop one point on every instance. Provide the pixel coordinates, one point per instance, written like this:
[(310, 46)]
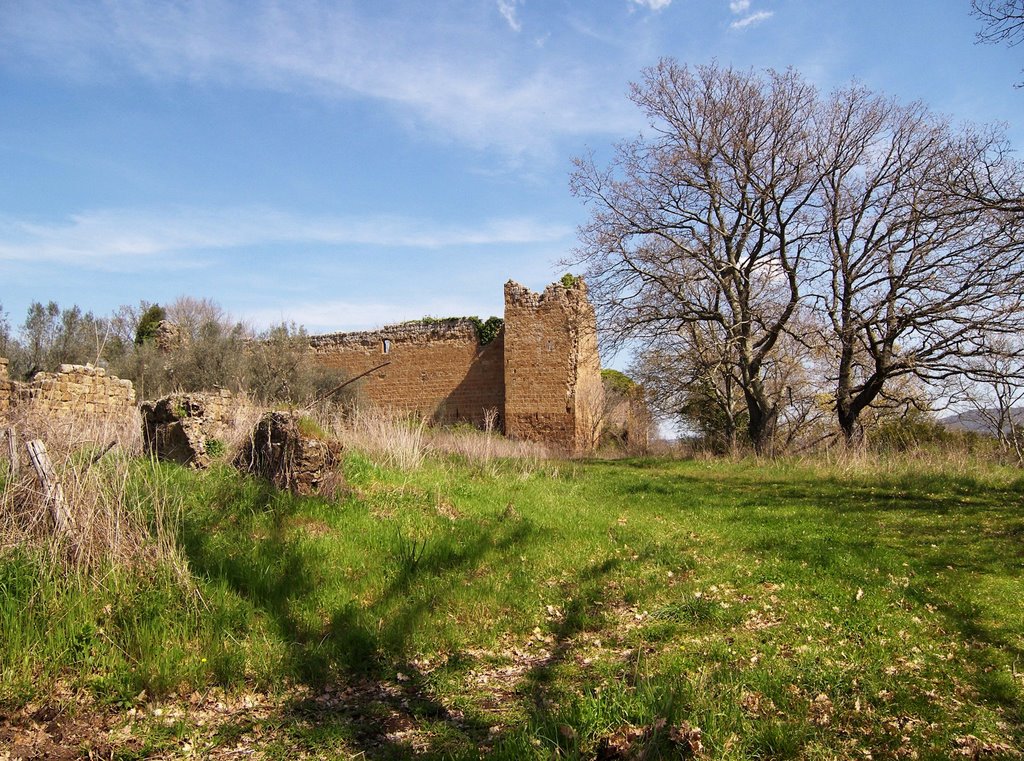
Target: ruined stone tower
[(540, 377), (552, 368)]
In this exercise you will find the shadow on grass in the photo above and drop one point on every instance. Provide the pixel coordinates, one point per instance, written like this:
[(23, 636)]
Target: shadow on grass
[(952, 535), (349, 658), (953, 532), (957, 537)]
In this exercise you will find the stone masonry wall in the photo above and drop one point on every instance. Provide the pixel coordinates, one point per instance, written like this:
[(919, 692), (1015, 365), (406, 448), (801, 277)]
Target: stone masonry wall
[(6, 388), (542, 374), (552, 367), (78, 389), (437, 369)]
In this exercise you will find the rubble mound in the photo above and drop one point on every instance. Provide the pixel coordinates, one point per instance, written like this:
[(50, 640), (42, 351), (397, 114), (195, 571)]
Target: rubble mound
[(291, 453)]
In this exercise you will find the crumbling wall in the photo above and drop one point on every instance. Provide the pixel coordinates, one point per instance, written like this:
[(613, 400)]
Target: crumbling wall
[(437, 369), (6, 388), (279, 451), (552, 367), (180, 427), (75, 390), (629, 422)]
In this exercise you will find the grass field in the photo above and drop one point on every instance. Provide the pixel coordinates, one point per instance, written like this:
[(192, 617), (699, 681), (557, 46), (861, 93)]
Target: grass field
[(631, 609)]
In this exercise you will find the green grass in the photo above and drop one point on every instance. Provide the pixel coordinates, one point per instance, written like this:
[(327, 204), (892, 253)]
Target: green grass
[(788, 611)]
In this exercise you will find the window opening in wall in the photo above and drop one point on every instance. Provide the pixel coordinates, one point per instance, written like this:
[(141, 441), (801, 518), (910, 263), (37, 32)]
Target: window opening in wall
[(385, 346)]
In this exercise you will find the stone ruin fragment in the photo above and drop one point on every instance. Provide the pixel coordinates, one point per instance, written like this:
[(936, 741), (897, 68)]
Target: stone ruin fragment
[(182, 428), (281, 452)]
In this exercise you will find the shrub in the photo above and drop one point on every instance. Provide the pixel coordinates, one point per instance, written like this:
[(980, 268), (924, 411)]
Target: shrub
[(148, 323)]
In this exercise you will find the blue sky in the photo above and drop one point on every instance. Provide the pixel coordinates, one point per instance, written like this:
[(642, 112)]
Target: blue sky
[(348, 164)]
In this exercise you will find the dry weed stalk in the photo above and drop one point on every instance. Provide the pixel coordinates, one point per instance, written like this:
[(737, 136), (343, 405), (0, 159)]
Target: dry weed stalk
[(400, 440), (393, 438), (487, 446), (245, 415)]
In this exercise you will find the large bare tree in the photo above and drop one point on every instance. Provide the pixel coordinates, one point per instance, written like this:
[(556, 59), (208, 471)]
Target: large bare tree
[(704, 220), (752, 200), (916, 270)]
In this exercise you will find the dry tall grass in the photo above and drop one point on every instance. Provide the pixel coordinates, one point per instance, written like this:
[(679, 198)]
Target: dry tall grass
[(399, 440), (486, 446), (246, 413), (957, 458), (389, 437), (114, 515)]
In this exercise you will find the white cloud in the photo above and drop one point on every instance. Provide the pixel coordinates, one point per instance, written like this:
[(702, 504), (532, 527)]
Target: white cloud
[(654, 5), (739, 6), (98, 238), (751, 20), (441, 72), (508, 10)]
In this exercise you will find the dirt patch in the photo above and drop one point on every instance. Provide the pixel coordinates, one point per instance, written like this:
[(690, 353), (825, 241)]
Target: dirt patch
[(49, 733)]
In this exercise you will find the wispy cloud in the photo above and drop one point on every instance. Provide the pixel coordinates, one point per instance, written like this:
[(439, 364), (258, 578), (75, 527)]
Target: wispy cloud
[(98, 238), (509, 10), (742, 8), (654, 5), (751, 20), (444, 73)]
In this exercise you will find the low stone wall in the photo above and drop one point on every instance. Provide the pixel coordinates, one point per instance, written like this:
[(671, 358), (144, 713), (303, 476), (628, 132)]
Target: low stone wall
[(74, 390), (6, 388), (79, 389)]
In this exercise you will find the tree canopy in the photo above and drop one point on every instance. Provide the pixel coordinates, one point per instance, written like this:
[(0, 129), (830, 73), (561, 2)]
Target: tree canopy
[(758, 228)]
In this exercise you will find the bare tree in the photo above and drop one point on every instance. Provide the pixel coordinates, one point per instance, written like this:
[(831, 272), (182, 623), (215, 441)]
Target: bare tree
[(688, 374), (694, 379), (915, 273), (992, 388), (704, 221), (196, 316), (6, 340), (1002, 21)]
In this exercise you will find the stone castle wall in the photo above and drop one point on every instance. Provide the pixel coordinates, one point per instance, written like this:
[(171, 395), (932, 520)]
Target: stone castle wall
[(436, 369), (552, 367), (538, 374)]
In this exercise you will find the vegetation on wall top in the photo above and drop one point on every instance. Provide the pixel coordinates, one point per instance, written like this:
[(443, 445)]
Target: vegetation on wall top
[(617, 381), (486, 330), (569, 280)]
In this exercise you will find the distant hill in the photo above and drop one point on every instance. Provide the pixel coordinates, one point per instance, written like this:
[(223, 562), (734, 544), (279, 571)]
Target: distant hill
[(976, 422)]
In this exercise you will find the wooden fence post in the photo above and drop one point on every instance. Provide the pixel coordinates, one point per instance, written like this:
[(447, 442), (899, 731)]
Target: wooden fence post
[(12, 451), (52, 490)]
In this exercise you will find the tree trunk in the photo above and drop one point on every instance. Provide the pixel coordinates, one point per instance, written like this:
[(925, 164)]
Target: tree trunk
[(761, 424)]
